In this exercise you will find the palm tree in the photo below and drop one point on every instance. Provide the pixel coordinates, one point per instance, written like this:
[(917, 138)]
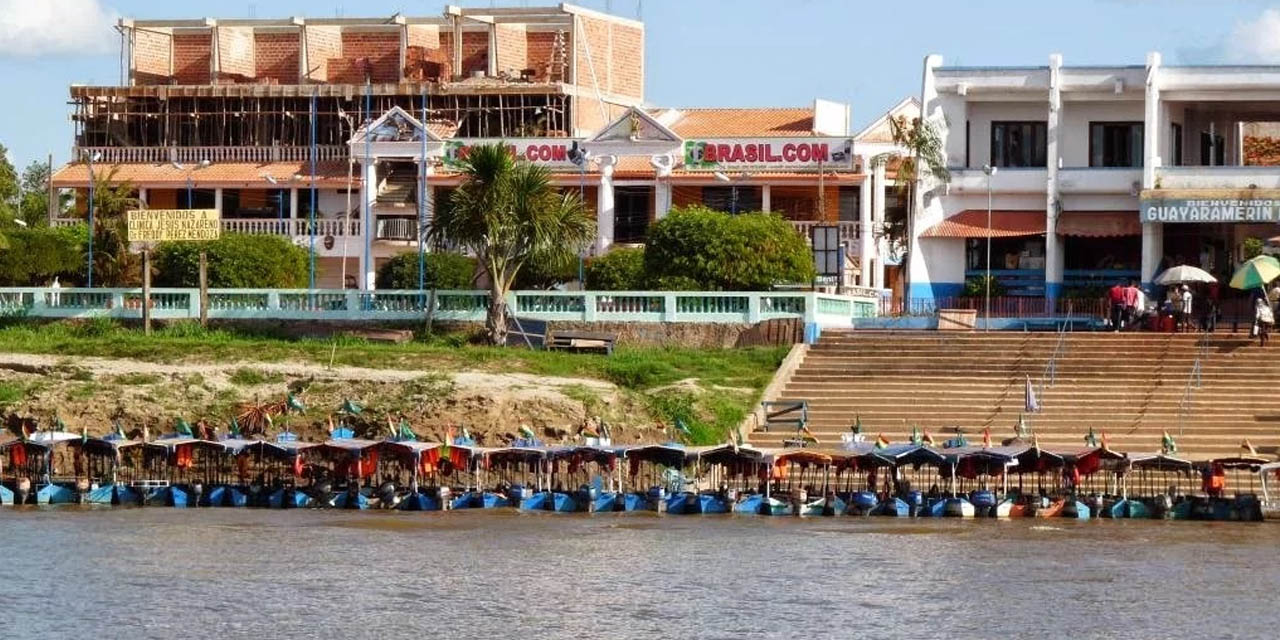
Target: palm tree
[(113, 264), (507, 213), (921, 158)]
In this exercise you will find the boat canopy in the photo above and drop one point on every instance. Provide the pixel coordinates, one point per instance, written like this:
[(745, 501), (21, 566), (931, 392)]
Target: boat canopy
[(1088, 460), (268, 448), (106, 446), (898, 455), (803, 457), (1250, 463), (598, 454), (1160, 462), (508, 455), (724, 454)]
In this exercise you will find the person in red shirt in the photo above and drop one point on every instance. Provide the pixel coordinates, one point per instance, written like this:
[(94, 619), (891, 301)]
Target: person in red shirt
[(1131, 303), (1116, 297)]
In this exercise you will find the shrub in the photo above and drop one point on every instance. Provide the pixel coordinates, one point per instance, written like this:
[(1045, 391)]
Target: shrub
[(38, 254), (618, 270), (975, 287), (540, 275), (1252, 247), (236, 260), (444, 271), (746, 252)]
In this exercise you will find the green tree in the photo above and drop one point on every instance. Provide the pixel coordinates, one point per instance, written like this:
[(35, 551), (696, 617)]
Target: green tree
[(717, 251), (8, 187), (619, 270), (236, 261), (35, 195), (37, 254), (921, 158), (508, 214), (113, 264)]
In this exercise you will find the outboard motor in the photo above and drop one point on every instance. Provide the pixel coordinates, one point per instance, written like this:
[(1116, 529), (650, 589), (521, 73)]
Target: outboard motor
[(353, 495), (915, 501), (322, 492), (446, 498), (82, 490), (23, 491), (797, 503), (1164, 506), (1095, 505), (387, 498), (197, 493), (659, 495)]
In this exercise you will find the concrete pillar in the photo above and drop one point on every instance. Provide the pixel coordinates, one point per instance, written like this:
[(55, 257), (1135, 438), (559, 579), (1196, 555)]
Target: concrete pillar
[(766, 198), (293, 203), (1152, 252), (217, 200), (1151, 123), (866, 235), (143, 196), (604, 204), (368, 195), (1053, 256), (877, 224), (428, 205), (661, 198)]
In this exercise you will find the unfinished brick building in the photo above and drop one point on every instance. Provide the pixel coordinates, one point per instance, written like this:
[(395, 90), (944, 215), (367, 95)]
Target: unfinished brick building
[(308, 127)]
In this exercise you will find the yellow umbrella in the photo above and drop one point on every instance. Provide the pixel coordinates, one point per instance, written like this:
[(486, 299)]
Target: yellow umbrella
[(1256, 272)]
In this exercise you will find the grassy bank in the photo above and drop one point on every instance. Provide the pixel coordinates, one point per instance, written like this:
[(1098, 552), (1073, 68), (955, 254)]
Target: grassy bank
[(709, 389)]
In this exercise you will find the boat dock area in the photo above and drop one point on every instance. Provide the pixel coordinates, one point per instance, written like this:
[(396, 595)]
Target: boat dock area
[(857, 479)]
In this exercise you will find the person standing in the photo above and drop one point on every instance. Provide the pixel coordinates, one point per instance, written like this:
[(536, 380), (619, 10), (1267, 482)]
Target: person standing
[(1131, 303), (1115, 296), (1263, 318)]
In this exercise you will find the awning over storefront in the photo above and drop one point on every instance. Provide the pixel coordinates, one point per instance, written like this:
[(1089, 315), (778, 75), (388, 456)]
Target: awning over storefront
[(972, 223), (1099, 224)]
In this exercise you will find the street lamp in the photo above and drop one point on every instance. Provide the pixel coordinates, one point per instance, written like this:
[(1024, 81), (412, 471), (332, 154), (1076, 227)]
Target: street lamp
[(990, 171), (93, 157)]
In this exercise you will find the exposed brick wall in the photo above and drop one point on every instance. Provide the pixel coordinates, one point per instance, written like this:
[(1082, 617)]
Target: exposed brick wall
[(192, 58), (595, 39), (512, 51), (627, 66), (276, 57), (236, 54), (424, 35), (323, 44), (425, 56), (151, 56), (475, 52), (381, 50), (539, 46)]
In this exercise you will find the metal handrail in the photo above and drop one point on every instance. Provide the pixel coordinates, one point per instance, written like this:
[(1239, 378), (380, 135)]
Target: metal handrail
[(1051, 367), (1194, 380)]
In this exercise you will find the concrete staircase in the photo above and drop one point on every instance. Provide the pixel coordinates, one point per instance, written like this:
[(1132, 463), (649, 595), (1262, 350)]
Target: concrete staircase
[(1130, 386)]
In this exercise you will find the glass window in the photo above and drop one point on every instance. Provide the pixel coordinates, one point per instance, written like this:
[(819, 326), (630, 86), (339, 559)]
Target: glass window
[(849, 203), (632, 207), (732, 199), (1018, 144), (1115, 144)]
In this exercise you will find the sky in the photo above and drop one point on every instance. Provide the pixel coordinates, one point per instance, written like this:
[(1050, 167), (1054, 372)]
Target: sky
[(698, 52)]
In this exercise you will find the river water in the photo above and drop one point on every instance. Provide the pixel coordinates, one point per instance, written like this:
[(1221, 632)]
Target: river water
[(242, 573)]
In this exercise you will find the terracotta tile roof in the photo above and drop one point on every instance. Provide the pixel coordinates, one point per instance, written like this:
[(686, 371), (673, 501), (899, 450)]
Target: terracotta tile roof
[(329, 173), (972, 223), (763, 122)]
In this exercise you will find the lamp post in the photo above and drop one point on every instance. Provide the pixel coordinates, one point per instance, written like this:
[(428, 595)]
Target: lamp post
[(92, 157), (990, 171)]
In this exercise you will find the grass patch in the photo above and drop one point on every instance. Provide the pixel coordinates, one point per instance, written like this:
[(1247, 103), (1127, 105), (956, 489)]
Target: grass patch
[(246, 377), (135, 379), (84, 391), (10, 393)]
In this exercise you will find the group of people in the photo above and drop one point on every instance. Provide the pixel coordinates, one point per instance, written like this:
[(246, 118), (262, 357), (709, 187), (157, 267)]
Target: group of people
[(1128, 307)]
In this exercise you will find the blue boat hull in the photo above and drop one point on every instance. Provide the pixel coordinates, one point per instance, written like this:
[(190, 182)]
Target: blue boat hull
[(1136, 509), (639, 502), (225, 496), (566, 503), (6, 496), (683, 504), (55, 494), (752, 504), (494, 501), (113, 494), (419, 502), (607, 502), (540, 501), (468, 500), (1077, 510), (862, 503), (713, 504), (347, 500), (288, 499), (896, 507)]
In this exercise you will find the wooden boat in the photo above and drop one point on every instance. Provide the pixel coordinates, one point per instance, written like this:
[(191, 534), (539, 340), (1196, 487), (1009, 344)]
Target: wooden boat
[(893, 507), (958, 508), (1010, 508), (716, 502), (1052, 510)]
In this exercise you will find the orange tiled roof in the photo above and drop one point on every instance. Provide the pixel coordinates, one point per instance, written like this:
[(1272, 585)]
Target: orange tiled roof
[(762, 122), (972, 223), (329, 173)]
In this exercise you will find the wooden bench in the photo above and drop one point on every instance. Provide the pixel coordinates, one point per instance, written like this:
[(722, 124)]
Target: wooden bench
[(589, 341)]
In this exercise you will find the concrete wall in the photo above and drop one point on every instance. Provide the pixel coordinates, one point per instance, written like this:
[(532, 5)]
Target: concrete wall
[(277, 56), (982, 114)]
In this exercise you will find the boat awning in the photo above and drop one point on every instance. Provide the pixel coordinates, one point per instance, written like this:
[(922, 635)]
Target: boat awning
[(972, 223), (1099, 224)]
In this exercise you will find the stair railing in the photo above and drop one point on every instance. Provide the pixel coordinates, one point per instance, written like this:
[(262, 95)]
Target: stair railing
[(1194, 380), (1050, 373)]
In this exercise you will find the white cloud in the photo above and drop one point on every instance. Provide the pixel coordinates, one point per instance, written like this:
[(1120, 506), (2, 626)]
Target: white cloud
[(30, 28), (1256, 42)]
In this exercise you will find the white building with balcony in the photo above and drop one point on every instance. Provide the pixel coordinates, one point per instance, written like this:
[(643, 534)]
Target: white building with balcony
[(1101, 174)]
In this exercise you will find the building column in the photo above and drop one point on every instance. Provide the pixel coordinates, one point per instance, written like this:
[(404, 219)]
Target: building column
[(1151, 123), (143, 196), (766, 198), (604, 204), (865, 234), (428, 207), (368, 195), (877, 225), (293, 203), (217, 201), (661, 198), (1152, 252), (1053, 254)]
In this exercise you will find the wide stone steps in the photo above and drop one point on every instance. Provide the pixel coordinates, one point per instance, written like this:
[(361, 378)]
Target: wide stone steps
[(1132, 386)]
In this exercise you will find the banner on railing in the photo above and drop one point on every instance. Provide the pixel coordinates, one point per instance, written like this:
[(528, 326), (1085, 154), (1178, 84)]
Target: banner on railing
[(173, 225)]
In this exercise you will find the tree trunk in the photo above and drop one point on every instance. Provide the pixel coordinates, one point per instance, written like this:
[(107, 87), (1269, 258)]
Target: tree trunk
[(496, 320), (906, 251)]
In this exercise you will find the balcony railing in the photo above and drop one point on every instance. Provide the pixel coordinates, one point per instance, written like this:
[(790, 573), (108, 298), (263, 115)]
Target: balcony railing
[(849, 231), (270, 226), (706, 307), (160, 155), (396, 229)]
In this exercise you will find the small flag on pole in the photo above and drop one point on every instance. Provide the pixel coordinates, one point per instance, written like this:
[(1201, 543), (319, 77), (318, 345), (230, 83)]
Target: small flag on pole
[(916, 437), (1167, 445), (1091, 438)]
